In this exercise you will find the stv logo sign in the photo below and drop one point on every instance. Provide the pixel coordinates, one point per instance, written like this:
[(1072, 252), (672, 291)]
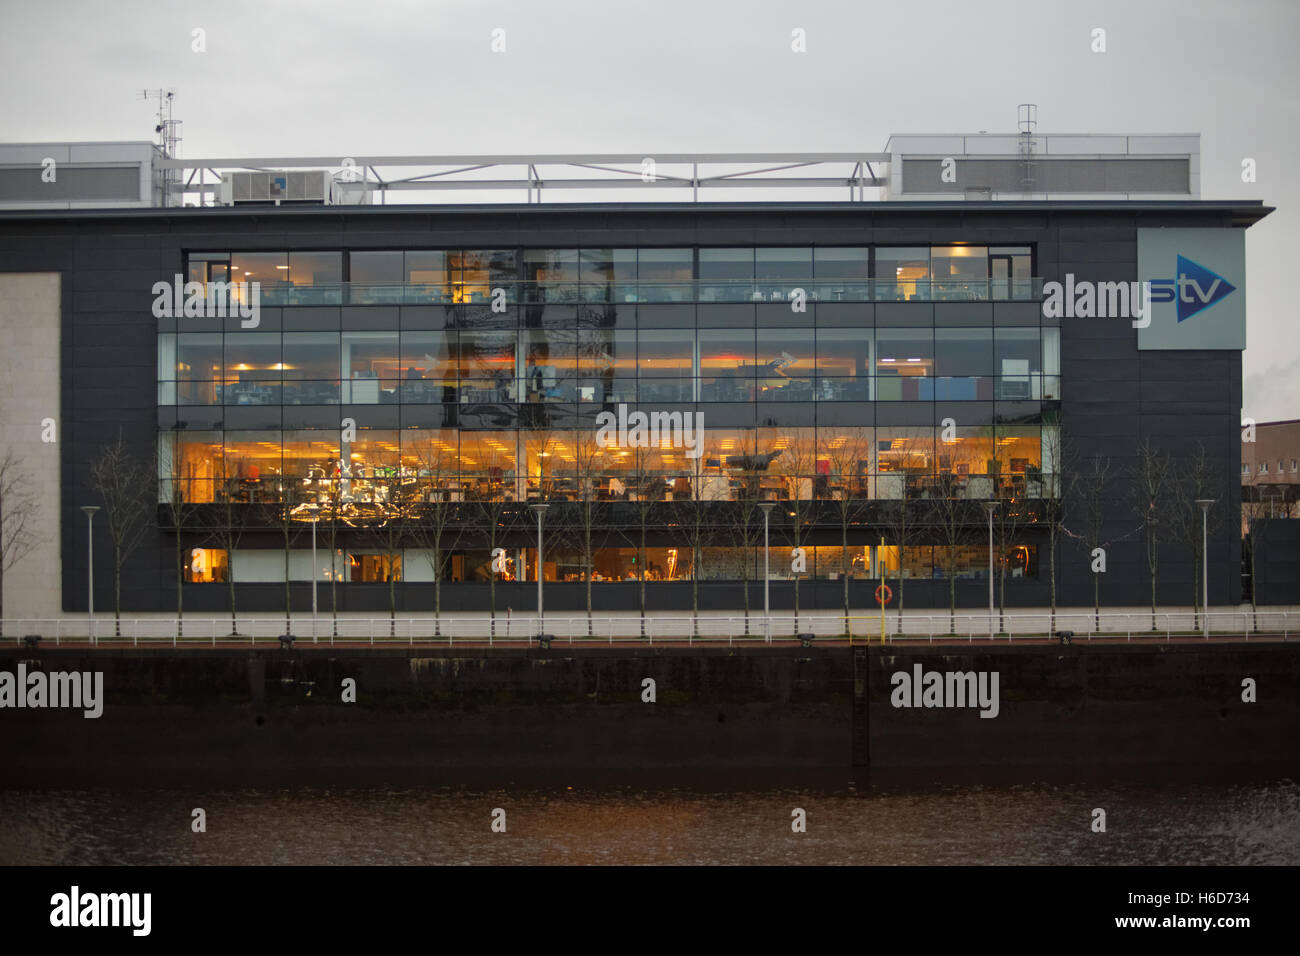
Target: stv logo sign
[(1195, 289)]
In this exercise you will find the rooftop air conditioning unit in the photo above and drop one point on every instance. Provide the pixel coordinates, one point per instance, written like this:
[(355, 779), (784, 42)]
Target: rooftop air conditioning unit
[(276, 187)]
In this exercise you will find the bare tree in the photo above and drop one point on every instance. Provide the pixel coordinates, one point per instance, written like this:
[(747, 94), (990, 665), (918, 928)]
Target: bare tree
[(797, 466), (1194, 479), (848, 452), (18, 510), (178, 496), (126, 485), (1088, 490), (1008, 520), (952, 514), (495, 513), (1053, 473), (644, 482), (328, 513), (228, 522), (1149, 490), (745, 518), (908, 453), (1255, 507), (393, 493), (439, 524), (287, 512), (700, 531), (589, 468)]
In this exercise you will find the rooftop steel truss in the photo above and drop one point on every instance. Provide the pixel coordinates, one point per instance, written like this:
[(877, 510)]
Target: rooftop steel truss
[(359, 178)]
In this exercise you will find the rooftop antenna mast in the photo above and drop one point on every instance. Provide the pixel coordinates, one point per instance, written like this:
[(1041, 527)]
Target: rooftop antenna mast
[(168, 131), (1028, 122)]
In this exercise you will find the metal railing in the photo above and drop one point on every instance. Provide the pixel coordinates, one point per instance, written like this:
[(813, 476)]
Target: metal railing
[(729, 628), (513, 292)]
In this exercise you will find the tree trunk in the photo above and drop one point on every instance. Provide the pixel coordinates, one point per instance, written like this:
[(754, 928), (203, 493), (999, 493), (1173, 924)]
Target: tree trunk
[(180, 581), (744, 579), (230, 584), (1153, 601), (117, 591), (437, 591), (1002, 598), (641, 573), (952, 602), (589, 558), (1096, 601), (288, 594), (900, 589), (844, 573), (1051, 544), (1196, 593), (695, 588)]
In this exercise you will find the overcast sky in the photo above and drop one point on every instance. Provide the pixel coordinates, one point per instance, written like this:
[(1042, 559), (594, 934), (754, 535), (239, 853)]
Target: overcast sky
[(413, 77)]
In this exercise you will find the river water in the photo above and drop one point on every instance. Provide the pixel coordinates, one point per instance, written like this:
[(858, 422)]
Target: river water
[(935, 817)]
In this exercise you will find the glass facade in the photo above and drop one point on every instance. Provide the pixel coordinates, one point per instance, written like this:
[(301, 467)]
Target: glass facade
[(817, 375)]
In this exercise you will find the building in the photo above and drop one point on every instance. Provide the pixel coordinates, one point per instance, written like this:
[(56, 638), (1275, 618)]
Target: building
[(1270, 469), (401, 382)]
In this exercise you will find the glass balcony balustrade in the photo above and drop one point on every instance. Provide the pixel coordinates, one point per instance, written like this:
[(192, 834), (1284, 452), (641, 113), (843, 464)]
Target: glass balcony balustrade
[(701, 290)]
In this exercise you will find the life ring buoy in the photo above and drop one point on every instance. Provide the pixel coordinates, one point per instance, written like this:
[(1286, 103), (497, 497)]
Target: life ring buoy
[(888, 595)]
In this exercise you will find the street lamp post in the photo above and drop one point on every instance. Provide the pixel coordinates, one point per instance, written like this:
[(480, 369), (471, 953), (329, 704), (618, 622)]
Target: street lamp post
[(767, 507), (90, 569), (1205, 565), (539, 509), (990, 507)]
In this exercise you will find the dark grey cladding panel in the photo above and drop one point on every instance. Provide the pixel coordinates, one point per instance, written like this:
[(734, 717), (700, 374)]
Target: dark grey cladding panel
[(963, 313), (782, 415), (905, 414), (372, 416), (846, 414), (311, 416), (370, 317), (109, 332), (252, 417), (845, 315), (665, 316), (304, 319), (429, 416), (115, 300), (1080, 373), (1119, 256), (134, 279), (200, 417), (1016, 313), (783, 316), (904, 313), (964, 414), (725, 316), (426, 317), (1120, 331), (726, 414)]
